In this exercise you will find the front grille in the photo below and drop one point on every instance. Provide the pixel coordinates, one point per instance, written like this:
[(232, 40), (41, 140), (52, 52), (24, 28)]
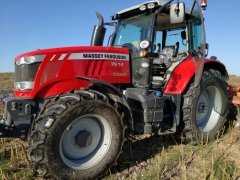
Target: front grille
[(26, 72)]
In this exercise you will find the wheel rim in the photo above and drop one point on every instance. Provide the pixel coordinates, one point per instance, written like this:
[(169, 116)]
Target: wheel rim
[(85, 142), (209, 107)]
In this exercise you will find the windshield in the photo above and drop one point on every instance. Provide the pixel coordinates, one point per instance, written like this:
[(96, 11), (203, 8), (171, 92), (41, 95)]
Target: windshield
[(134, 30), (130, 33)]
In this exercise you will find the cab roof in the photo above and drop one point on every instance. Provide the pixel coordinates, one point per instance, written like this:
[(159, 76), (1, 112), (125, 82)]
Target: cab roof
[(136, 7), (159, 2)]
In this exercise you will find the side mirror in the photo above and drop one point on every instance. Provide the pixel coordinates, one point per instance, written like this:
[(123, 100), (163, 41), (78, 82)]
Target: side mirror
[(177, 13), (184, 35)]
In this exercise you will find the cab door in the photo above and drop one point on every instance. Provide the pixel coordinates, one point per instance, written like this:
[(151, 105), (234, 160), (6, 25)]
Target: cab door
[(198, 40)]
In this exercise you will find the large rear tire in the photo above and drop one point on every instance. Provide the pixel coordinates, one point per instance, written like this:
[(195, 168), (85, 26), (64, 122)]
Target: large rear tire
[(205, 108), (79, 136)]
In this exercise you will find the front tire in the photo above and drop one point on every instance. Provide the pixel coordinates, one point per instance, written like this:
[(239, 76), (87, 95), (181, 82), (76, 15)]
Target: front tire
[(205, 108), (77, 137)]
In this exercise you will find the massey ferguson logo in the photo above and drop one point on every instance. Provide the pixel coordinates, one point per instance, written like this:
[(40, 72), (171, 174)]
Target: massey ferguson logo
[(93, 56), (99, 56)]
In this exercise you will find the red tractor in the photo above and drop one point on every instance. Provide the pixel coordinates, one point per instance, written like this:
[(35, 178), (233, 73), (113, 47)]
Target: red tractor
[(75, 104)]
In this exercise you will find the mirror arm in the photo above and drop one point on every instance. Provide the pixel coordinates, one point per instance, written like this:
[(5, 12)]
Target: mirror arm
[(163, 7), (193, 53), (177, 8)]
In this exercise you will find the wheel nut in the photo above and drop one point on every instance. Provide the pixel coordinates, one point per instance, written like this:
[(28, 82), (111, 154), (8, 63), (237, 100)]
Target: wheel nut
[(69, 128), (202, 107)]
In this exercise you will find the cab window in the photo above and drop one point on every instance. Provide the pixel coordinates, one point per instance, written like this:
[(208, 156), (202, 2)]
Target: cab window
[(197, 29)]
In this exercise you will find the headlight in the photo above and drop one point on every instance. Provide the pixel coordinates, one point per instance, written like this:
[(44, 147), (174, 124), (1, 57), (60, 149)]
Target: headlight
[(30, 59), (144, 44), (27, 85), (144, 64)]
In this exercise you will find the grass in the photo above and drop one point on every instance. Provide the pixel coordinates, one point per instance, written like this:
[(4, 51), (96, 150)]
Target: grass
[(234, 80), (13, 160), (180, 161), (145, 157), (6, 84)]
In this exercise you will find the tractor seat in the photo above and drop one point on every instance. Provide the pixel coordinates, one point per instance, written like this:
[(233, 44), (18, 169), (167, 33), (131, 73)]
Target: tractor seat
[(169, 51), (161, 64), (167, 55)]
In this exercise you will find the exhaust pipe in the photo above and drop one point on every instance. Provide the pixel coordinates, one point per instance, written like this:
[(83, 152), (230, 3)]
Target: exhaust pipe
[(98, 32)]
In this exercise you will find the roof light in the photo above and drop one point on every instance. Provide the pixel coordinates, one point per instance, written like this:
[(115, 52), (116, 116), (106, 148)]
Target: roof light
[(151, 6), (143, 7)]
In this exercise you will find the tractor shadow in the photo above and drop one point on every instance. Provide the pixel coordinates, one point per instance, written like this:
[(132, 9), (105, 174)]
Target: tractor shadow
[(139, 149)]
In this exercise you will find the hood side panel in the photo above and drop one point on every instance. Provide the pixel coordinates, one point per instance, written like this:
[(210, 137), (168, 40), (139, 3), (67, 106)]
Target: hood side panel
[(63, 65)]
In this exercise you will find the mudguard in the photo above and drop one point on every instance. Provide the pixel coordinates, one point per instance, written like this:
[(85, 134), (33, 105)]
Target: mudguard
[(115, 94), (184, 73)]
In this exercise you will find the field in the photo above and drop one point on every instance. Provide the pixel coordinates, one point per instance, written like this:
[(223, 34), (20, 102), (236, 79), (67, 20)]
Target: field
[(145, 156)]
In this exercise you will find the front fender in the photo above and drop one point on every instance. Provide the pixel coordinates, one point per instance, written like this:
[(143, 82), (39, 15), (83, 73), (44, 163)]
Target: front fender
[(114, 94), (63, 86)]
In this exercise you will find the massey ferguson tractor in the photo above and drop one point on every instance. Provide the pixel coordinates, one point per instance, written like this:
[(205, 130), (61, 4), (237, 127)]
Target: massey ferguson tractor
[(75, 105)]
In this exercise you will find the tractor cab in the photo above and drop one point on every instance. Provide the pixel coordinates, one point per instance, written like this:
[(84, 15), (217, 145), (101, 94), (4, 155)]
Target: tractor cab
[(160, 35)]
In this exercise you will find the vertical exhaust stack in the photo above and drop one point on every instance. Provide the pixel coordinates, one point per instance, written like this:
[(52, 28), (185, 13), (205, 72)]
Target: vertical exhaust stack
[(98, 32), (204, 4)]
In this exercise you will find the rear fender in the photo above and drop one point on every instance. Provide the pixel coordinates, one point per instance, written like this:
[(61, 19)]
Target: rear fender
[(184, 73), (217, 65)]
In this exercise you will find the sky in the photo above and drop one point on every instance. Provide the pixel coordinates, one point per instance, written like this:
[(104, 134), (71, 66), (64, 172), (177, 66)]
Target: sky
[(27, 25)]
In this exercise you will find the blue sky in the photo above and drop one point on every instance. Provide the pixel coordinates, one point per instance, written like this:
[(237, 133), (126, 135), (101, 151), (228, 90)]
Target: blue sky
[(26, 25)]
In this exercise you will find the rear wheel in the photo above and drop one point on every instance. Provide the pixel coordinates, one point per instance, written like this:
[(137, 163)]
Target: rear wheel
[(205, 108), (78, 136)]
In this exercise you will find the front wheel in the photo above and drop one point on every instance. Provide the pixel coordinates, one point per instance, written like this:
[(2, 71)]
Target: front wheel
[(205, 108), (79, 136)]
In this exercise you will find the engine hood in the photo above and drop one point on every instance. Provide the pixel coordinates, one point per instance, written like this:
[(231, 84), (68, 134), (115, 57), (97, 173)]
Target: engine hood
[(49, 72), (92, 52)]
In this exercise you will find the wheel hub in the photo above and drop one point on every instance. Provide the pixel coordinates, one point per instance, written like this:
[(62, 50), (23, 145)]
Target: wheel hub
[(84, 139), (202, 108), (208, 108)]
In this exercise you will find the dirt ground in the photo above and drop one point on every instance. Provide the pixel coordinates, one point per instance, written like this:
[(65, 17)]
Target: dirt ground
[(144, 156)]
